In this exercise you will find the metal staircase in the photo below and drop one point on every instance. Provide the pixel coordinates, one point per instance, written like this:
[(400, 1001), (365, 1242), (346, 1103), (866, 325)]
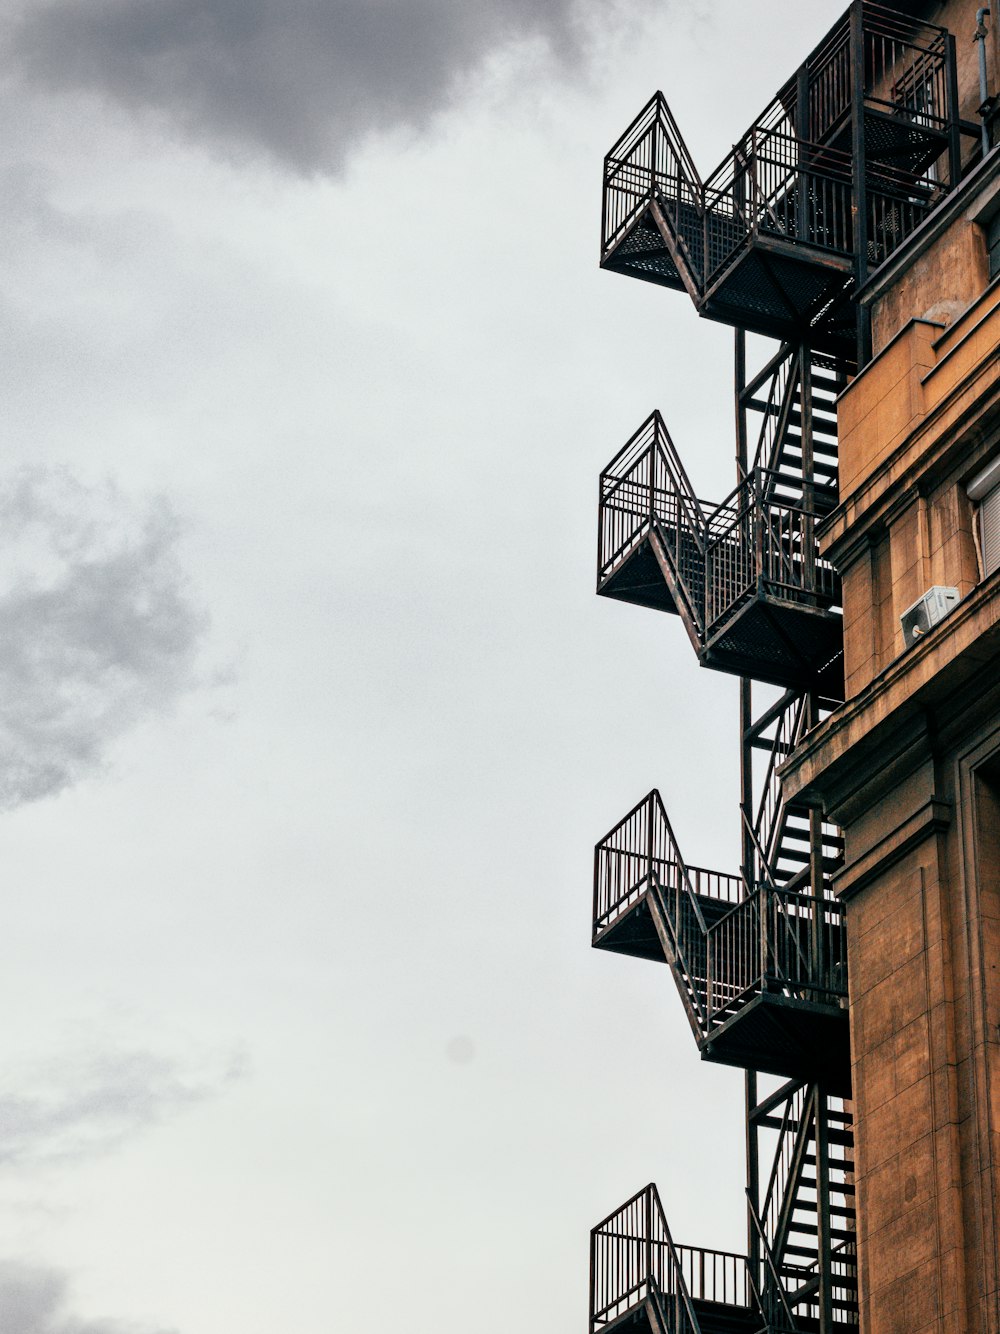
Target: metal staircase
[(761, 969), (782, 833), (806, 1209), (850, 157), (640, 1279), (745, 576)]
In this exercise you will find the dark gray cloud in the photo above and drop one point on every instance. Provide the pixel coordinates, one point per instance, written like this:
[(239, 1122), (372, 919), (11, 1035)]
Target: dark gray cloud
[(33, 1300), (88, 1105), (96, 628), (303, 80)]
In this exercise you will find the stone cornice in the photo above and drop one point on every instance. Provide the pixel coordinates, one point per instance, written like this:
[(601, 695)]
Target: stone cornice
[(866, 743)]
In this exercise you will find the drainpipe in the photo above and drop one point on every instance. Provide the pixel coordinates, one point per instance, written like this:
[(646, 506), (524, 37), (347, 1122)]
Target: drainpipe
[(980, 37)]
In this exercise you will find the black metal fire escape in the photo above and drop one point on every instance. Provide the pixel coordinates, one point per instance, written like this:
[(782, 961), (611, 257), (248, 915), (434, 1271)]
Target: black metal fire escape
[(848, 160)]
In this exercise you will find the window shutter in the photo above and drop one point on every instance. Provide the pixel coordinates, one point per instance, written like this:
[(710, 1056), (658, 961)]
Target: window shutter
[(985, 491), (989, 530)]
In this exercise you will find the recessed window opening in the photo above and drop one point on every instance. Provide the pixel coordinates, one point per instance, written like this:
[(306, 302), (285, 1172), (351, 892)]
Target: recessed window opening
[(993, 244), (984, 492)]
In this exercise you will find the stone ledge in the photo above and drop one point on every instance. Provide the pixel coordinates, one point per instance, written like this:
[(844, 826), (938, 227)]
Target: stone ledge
[(868, 732)]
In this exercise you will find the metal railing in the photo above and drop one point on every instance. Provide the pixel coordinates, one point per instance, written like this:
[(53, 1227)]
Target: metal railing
[(760, 543), (778, 184), (645, 486), (776, 940), (780, 382), (905, 71), (639, 857), (755, 541), (774, 1200), (715, 1276), (770, 939), (640, 846), (641, 850), (769, 1289), (906, 67), (649, 161), (789, 728), (788, 1277), (830, 81), (782, 179), (633, 1259)]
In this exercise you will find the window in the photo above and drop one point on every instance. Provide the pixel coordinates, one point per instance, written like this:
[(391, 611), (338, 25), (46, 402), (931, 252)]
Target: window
[(993, 244), (984, 490)]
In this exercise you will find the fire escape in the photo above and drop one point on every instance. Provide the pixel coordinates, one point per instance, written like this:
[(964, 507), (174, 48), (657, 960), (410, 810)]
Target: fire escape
[(854, 152)]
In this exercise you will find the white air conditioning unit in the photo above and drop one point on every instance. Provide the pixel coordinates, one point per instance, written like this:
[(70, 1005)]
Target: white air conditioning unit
[(925, 613)]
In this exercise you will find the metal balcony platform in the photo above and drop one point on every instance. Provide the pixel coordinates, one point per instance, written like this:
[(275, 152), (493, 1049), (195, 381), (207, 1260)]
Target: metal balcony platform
[(791, 1037), (761, 972), (745, 576), (711, 1318), (641, 1281), (781, 642), (845, 163)]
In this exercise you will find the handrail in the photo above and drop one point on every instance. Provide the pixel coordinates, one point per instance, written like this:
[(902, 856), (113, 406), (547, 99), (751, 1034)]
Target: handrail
[(775, 939), (639, 856), (783, 177), (788, 732), (633, 1259), (772, 1267), (715, 1276), (755, 540), (649, 161), (783, 1154), (638, 849), (645, 490), (759, 540), (767, 939), (645, 483)]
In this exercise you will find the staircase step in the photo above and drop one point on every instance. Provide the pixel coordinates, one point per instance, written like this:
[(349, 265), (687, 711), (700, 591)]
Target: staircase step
[(836, 1233), (811, 1206), (792, 460), (794, 855), (820, 424), (825, 448)]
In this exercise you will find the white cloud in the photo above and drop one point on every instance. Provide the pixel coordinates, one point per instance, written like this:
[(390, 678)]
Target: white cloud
[(33, 1300), (97, 630), (88, 1104)]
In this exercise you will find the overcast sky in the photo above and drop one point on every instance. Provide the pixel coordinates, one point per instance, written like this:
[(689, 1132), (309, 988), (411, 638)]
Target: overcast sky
[(310, 718)]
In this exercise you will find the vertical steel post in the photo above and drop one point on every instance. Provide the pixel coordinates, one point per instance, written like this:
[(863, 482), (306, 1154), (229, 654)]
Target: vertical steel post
[(746, 702), (593, 1279), (753, 1175), (652, 475), (803, 229), (817, 963), (746, 781), (649, 1240), (740, 364), (823, 1238), (746, 810), (650, 845), (808, 472), (860, 174)]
